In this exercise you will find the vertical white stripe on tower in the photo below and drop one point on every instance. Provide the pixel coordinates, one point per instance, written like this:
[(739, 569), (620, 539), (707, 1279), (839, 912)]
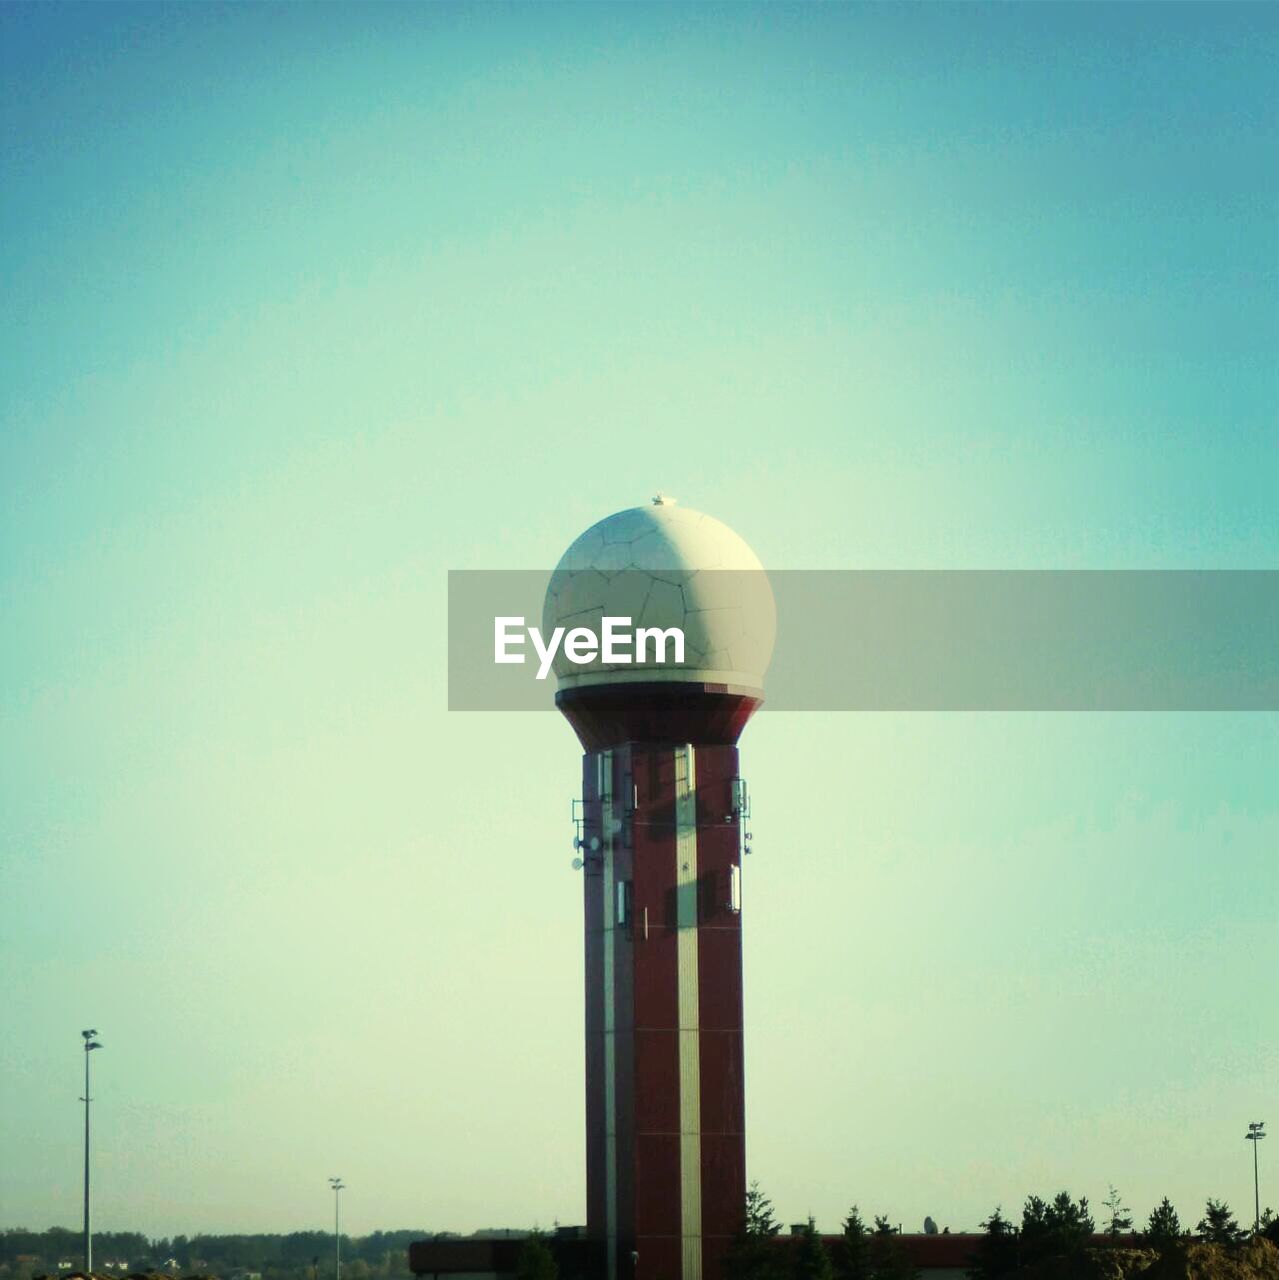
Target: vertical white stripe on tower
[(690, 1070), (605, 787)]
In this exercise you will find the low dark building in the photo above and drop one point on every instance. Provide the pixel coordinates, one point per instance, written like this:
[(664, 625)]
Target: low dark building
[(936, 1257)]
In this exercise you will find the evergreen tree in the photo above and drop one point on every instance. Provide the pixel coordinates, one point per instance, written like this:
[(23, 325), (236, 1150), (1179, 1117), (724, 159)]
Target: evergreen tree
[(812, 1262), (888, 1259), (1120, 1219), (996, 1253), (1059, 1228), (753, 1255), (852, 1254), (760, 1219), (1218, 1225), (536, 1261), (1163, 1229)]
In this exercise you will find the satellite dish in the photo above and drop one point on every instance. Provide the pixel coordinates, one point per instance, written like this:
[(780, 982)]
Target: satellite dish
[(578, 864), (595, 842)]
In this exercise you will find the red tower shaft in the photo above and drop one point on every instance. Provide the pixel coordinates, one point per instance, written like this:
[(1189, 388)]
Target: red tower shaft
[(662, 843)]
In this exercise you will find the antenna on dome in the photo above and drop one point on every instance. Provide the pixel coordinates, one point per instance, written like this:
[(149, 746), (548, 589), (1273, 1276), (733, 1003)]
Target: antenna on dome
[(664, 500)]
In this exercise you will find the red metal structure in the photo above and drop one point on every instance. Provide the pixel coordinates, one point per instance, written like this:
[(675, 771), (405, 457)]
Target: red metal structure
[(662, 839)]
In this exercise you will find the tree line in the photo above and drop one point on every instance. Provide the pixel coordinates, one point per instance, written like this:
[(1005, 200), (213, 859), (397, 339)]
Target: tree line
[(1056, 1227), (298, 1255), (861, 1252), (1060, 1226)]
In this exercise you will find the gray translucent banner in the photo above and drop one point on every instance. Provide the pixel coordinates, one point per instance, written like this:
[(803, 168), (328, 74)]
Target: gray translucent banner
[(945, 640)]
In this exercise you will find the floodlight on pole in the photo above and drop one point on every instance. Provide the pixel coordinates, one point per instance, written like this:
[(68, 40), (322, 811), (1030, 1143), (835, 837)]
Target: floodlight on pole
[(1256, 1131), (90, 1043), (338, 1187)]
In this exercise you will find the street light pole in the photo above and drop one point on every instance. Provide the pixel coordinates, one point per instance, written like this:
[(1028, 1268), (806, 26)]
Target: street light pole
[(1256, 1131), (89, 1045), (338, 1187)]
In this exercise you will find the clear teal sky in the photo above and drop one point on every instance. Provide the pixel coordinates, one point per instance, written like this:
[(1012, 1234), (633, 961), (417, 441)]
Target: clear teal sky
[(306, 305)]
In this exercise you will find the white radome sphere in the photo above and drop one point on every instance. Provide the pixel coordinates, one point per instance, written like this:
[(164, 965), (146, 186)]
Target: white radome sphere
[(666, 566)]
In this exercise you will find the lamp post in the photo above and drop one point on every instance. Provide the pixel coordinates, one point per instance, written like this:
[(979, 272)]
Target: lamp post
[(338, 1187), (1256, 1131), (90, 1043)]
